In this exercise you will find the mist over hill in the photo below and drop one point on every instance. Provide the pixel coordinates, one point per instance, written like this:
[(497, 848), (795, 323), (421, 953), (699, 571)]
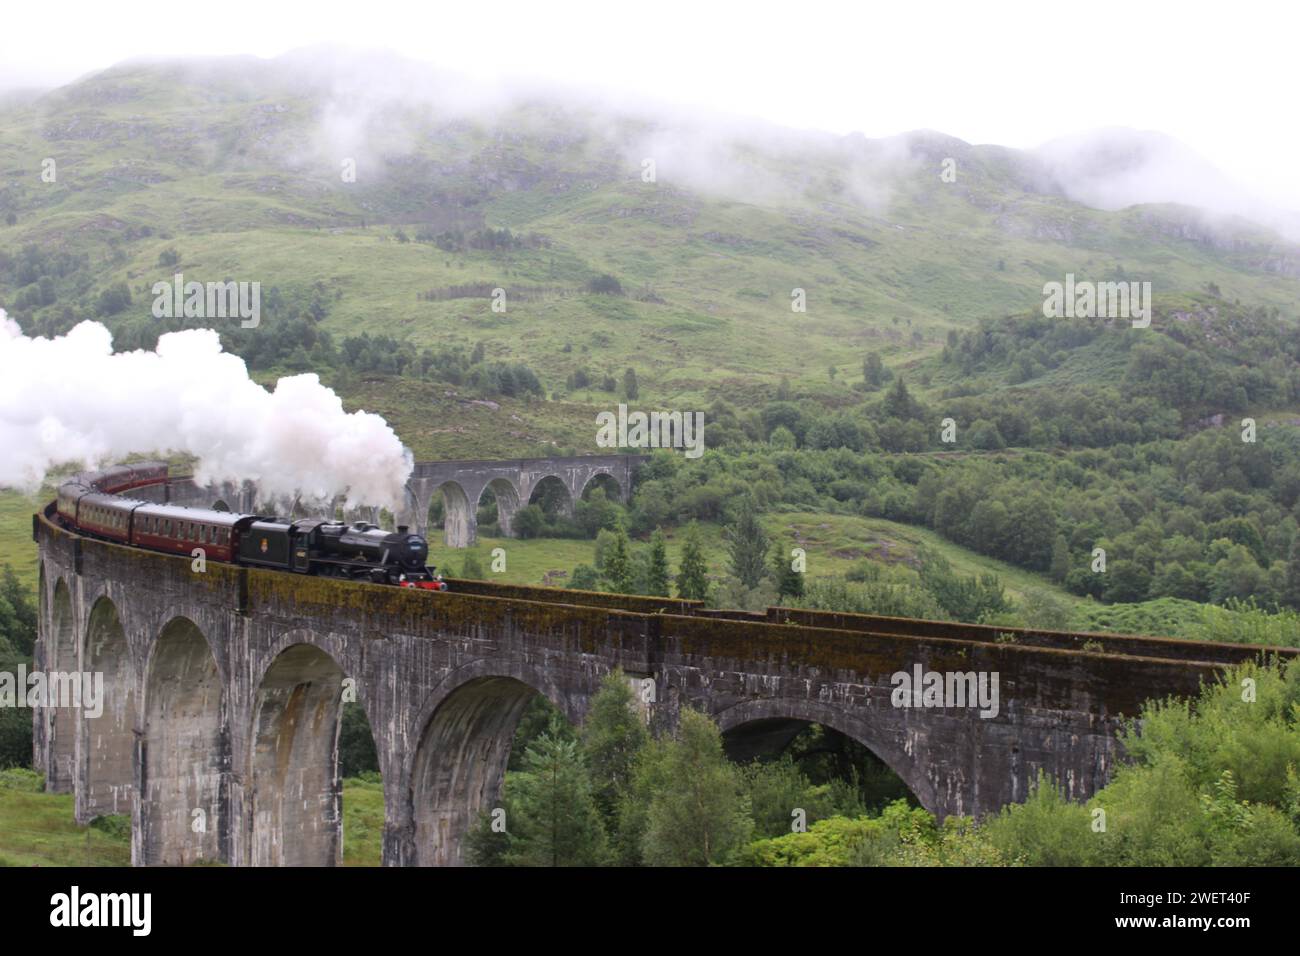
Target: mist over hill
[(382, 196)]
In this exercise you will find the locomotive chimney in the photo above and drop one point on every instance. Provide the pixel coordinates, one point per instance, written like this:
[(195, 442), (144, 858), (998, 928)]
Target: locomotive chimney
[(402, 528)]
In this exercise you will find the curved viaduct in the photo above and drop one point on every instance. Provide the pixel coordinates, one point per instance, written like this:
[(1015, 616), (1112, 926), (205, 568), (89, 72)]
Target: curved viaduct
[(223, 695), (461, 485)]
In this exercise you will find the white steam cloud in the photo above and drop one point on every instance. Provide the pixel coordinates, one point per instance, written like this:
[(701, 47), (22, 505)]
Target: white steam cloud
[(73, 399)]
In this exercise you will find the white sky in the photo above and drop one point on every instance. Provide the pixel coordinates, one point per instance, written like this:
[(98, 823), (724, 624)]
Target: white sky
[(1222, 78)]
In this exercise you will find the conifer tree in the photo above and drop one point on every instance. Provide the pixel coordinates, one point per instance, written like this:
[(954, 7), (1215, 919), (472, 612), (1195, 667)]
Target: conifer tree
[(657, 577), (703, 817), (692, 572), (612, 736), (748, 546), (553, 819), (618, 565), (789, 582)]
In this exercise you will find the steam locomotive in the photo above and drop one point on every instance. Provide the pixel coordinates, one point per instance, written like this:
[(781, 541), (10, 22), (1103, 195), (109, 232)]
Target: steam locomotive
[(94, 503)]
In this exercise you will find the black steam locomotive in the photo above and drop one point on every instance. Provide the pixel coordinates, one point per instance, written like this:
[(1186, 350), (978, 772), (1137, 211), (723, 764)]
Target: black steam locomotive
[(92, 503), (332, 548)]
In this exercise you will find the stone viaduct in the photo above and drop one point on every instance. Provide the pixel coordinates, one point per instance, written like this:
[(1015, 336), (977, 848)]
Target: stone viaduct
[(461, 485), (224, 691)]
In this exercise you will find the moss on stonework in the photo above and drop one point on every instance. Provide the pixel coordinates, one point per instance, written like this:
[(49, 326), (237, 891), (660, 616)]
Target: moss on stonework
[(1110, 684)]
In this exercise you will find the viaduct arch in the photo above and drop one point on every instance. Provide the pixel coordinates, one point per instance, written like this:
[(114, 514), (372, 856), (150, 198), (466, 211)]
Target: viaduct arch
[(223, 693), (459, 484)]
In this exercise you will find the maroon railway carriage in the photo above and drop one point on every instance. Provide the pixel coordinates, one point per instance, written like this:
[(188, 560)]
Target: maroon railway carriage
[(179, 530), (121, 478), (107, 516), (87, 499), (70, 492)]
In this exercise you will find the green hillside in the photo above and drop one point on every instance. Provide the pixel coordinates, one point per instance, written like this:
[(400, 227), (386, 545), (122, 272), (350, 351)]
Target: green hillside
[(228, 167), (677, 293)]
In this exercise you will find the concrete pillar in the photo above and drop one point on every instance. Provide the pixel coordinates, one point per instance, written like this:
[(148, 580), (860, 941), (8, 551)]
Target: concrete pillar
[(62, 721), (182, 761), (507, 505), (295, 803), (409, 513), (459, 520), (106, 783), (40, 717)]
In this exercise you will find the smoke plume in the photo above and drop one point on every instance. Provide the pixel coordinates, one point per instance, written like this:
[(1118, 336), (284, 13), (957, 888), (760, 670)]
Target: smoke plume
[(73, 399)]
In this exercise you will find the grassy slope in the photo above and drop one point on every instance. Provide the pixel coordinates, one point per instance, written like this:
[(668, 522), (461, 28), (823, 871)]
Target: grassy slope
[(239, 191), (834, 543), (16, 546), (37, 829)]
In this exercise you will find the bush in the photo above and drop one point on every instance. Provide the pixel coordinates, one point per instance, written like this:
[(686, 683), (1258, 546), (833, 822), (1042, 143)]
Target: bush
[(605, 285), (838, 841)]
